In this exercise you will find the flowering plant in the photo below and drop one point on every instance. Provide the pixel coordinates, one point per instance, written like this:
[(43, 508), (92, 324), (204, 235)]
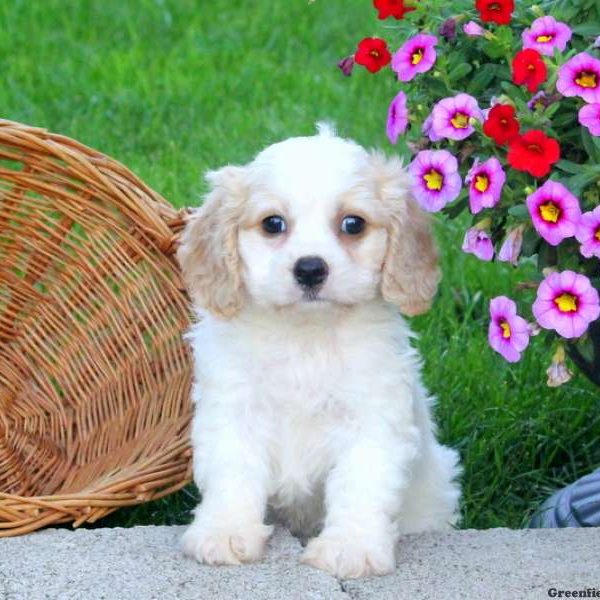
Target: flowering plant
[(498, 103)]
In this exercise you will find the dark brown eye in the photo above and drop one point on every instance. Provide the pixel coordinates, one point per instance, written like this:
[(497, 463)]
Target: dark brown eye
[(352, 225), (274, 225)]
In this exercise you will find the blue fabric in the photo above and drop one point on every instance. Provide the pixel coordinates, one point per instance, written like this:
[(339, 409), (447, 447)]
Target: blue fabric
[(577, 505)]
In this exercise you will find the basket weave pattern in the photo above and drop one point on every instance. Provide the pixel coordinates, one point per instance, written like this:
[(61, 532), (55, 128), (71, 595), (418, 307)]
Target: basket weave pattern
[(94, 375)]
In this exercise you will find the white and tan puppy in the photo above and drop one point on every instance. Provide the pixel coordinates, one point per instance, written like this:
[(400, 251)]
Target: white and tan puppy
[(308, 396)]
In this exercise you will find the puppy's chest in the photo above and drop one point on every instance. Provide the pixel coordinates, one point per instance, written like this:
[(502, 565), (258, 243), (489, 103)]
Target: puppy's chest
[(303, 392), (304, 379)]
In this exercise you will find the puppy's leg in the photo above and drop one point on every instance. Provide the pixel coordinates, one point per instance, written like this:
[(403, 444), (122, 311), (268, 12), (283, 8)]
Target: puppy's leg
[(363, 495), (231, 470), (431, 501)]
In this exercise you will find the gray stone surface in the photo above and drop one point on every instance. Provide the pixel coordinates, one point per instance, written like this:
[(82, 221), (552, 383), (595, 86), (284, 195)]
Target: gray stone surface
[(145, 563), (494, 564)]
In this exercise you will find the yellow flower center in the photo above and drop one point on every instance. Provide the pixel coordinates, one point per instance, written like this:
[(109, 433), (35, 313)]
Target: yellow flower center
[(417, 56), (482, 183), (550, 212), (566, 303), (374, 53), (587, 79), (460, 120), (597, 236), (506, 332), (434, 180), (542, 39)]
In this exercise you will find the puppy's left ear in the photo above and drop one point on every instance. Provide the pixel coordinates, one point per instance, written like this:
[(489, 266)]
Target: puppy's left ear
[(410, 272)]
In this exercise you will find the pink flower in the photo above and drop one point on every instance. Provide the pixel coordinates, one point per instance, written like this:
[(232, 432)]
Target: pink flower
[(555, 212), (589, 116), (346, 65), (567, 303), (558, 372), (436, 180), (485, 181), (546, 34), (427, 130), (416, 55), (511, 248), (580, 76), (508, 333), (479, 243), (397, 120), (588, 233), (451, 117), (448, 29), (541, 100), (472, 29)]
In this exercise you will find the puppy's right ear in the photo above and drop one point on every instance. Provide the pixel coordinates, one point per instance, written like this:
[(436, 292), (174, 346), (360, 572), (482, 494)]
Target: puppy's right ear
[(208, 254)]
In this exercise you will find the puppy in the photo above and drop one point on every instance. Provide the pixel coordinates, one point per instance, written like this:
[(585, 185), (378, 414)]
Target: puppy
[(308, 396)]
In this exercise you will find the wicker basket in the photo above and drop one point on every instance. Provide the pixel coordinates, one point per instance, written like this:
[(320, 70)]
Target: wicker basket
[(94, 376)]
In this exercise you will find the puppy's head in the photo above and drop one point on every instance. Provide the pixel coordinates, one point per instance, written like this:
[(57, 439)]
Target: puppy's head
[(311, 221)]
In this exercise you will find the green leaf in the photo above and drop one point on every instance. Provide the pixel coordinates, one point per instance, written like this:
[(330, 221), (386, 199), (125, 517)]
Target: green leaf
[(591, 145), (579, 182), (458, 207), (563, 120), (455, 58), (587, 29), (482, 78), (459, 72), (493, 49), (547, 256), (570, 167), (521, 105), (563, 10), (513, 91), (551, 110), (504, 34), (519, 212), (531, 242)]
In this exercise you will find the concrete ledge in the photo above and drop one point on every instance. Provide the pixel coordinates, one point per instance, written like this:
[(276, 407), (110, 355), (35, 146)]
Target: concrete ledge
[(145, 562)]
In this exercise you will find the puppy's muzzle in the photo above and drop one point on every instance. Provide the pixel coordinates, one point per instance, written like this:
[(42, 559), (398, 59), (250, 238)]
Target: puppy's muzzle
[(310, 271)]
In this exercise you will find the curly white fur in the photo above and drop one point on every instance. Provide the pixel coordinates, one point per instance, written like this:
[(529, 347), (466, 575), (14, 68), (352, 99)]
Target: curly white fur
[(312, 406)]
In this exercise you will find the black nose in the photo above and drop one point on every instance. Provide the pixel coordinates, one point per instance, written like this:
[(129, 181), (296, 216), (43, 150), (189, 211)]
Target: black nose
[(310, 271)]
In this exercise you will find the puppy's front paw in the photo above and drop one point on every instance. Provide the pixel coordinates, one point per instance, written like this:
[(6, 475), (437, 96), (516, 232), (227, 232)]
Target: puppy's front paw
[(350, 557), (226, 546)]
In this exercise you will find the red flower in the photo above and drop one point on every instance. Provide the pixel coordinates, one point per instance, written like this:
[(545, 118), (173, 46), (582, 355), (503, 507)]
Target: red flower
[(391, 8), (529, 69), (534, 153), (495, 11), (501, 124), (373, 54)]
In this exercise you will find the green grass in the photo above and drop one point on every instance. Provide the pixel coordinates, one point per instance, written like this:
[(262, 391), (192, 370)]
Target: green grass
[(172, 88)]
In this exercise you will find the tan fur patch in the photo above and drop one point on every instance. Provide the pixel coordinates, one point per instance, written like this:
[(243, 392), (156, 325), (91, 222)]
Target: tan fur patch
[(208, 254), (410, 272)]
